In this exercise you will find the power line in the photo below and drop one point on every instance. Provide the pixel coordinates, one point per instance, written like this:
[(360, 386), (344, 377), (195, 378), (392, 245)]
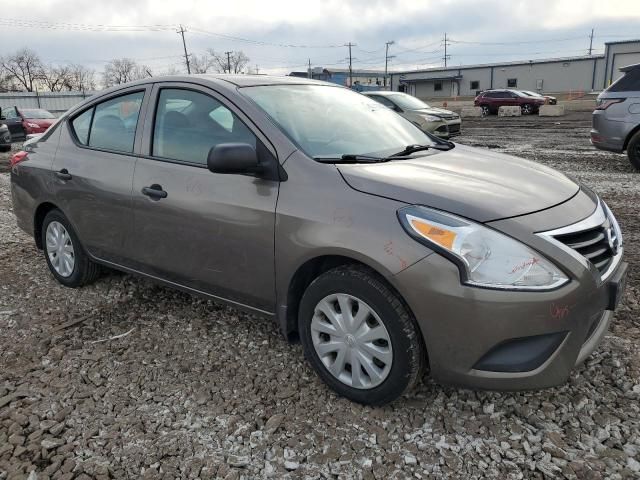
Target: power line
[(258, 42)]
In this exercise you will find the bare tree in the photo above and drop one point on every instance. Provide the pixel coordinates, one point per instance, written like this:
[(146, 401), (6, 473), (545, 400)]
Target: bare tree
[(81, 79), (235, 62), (24, 67), (55, 78), (203, 63), (123, 70)]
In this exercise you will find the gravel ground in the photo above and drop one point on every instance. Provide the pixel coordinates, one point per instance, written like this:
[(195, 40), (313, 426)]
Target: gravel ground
[(198, 390)]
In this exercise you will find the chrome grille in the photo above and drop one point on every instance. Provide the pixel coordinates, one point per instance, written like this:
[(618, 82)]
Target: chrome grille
[(592, 244), (596, 240)]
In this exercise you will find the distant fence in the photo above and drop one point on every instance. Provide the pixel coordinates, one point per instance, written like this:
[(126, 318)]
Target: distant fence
[(56, 102)]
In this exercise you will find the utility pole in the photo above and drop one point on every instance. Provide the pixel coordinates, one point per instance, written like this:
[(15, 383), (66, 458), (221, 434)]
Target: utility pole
[(591, 42), (350, 64), (309, 75), (228, 60), (386, 60), (446, 44), (184, 44)]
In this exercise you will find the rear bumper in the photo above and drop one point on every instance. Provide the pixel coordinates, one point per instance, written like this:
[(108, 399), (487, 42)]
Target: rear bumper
[(504, 340), (607, 134)]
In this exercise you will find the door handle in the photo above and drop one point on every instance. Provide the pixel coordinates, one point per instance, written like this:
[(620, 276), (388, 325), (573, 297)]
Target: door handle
[(63, 174), (155, 191)]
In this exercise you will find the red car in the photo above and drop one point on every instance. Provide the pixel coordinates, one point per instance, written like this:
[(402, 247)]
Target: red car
[(491, 100), (26, 121)]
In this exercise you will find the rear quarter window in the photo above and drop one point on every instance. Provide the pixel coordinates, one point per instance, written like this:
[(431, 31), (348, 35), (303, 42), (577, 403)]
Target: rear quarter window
[(630, 82)]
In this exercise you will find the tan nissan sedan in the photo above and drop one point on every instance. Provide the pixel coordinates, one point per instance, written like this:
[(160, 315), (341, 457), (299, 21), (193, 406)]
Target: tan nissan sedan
[(437, 121)]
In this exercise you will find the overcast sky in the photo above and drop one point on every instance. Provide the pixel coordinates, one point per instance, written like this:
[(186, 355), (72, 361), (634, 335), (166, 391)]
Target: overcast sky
[(280, 36)]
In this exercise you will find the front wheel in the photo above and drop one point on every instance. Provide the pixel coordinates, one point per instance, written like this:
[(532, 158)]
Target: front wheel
[(66, 258), (359, 336), (633, 151), (485, 110)]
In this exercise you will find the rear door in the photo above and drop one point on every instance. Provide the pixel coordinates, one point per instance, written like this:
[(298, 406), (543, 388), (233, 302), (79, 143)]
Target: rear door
[(93, 171), (212, 232)]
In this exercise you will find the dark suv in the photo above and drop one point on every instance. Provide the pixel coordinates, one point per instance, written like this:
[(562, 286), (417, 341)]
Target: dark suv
[(492, 100)]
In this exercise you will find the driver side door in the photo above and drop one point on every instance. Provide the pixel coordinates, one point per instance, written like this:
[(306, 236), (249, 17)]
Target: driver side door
[(210, 232)]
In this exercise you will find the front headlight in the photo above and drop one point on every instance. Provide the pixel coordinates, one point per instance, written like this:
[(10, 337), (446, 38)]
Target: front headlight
[(431, 118), (486, 258)]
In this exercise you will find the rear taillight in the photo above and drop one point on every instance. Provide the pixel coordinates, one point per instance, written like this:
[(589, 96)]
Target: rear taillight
[(604, 104), (18, 157)]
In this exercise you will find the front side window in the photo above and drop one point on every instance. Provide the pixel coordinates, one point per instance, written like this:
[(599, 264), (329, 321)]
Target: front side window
[(328, 122), (188, 124), (114, 123)]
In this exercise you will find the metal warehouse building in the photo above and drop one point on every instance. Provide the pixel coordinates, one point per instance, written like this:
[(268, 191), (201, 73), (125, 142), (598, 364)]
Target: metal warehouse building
[(557, 75)]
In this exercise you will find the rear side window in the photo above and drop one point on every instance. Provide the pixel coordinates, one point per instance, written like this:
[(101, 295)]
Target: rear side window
[(81, 125), (114, 123), (630, 82), (188, 124)]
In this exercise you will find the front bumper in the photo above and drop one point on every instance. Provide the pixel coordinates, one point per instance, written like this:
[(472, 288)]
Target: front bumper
[(444, 128), (509, 340)]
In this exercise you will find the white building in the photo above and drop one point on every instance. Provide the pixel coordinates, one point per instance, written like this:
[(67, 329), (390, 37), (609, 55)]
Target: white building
[(556, 75)]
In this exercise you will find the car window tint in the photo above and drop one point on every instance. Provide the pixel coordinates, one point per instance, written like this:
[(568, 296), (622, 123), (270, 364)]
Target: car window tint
[(188, 124), (629, 83), (81, 125), (114, 123)]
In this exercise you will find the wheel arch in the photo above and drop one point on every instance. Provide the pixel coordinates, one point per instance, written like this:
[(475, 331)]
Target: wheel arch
[(38, 218), (631, 134), (308, 271)]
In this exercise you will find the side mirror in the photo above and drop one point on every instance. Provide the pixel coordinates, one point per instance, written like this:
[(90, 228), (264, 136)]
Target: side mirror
[(233, 158)]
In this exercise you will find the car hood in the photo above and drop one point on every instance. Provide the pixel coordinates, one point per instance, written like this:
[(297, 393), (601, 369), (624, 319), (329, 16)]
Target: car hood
[(433, 111), (470, 182)]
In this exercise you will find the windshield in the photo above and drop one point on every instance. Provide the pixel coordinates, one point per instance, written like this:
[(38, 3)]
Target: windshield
[(330, 122), (407, 102), (36, 113)]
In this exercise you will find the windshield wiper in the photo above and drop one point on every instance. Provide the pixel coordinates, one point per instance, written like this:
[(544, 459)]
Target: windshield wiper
[(352, 158), (409, 149)]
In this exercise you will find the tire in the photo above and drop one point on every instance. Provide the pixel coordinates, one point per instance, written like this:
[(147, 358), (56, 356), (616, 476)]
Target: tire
[(403, 355), (633, 150), (485, 110), (526, 109), (73, 273)]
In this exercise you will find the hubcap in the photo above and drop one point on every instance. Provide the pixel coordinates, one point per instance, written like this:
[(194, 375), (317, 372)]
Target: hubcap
[(351, 341), (60, 249), (526, 109)]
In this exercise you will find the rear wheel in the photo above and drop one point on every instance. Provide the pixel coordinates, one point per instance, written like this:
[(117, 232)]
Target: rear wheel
[(359, 336), (633, 150), (526, 109), (66, 258)]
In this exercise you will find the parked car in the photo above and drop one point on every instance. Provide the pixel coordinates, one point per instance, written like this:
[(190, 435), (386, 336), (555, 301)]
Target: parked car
[(438, 121), (492, 100), (616, 119), (5, 138), (25, 121), (385, 249), (549, 99)]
